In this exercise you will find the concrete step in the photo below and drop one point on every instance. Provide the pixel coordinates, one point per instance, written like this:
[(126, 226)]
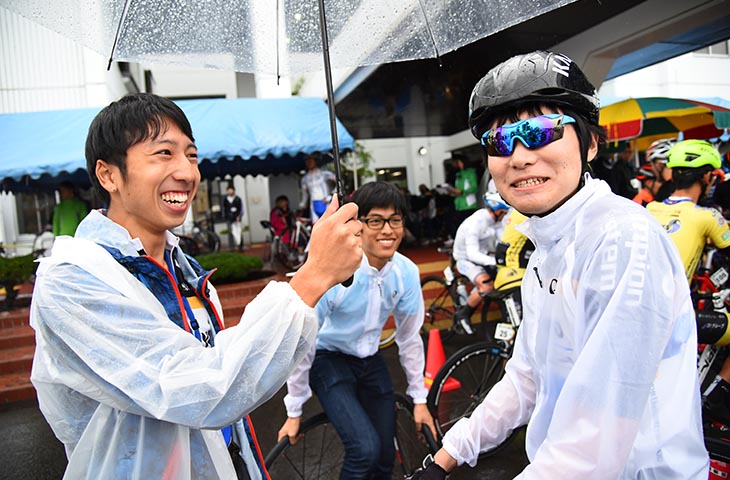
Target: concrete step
[(14, 318), (15, 387), (17, 337), (16, 359)]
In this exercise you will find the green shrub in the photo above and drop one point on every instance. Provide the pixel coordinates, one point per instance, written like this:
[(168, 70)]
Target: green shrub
[(14, 271), (232, 267)]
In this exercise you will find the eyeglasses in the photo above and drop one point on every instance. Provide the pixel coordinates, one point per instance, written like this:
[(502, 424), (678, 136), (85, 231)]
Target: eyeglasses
[(377, 223), (533, 132)]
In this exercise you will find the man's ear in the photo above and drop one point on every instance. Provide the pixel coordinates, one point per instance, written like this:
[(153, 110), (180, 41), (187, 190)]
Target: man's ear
[(593, 148), (107, 175)]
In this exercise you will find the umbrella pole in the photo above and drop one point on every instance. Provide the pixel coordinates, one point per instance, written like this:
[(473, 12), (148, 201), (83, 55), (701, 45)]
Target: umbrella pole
[(330, 100)]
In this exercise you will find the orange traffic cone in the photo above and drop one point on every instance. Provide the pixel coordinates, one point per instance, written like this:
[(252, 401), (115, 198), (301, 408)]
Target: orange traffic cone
[(435, 359)]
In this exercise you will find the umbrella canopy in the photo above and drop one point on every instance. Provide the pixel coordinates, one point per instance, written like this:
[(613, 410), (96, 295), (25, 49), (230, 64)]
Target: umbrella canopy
[(243, 136), (652, 118), (279, 36), (276, 36)]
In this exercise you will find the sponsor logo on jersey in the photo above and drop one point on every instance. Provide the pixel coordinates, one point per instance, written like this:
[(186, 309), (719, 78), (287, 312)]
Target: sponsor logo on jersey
[(673, 226)]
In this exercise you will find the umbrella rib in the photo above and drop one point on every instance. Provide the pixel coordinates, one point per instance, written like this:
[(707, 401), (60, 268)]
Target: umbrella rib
[(430, 32), (116, 35)]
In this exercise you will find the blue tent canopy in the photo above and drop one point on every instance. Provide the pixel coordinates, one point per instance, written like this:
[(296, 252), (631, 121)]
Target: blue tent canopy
[(243, 136)]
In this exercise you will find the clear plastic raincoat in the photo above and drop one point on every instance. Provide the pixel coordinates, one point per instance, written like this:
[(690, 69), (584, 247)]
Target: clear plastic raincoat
[(130, 393), (604, 366)]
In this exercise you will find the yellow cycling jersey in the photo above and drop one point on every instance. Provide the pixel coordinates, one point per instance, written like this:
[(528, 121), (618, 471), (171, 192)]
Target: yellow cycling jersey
[(513, 251), (690, 226)]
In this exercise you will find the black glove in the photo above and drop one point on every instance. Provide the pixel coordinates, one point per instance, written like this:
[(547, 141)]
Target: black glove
[(432, 472)]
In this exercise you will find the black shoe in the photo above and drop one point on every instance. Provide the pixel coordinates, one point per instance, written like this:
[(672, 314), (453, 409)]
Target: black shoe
[(462, 321)]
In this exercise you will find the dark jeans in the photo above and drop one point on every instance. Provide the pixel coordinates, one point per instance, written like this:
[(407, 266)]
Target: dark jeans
[(357, 395)]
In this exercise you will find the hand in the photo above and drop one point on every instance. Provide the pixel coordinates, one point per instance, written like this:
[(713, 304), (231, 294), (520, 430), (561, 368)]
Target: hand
[(291, 429), (335, 252), (432, 472), (422, 416)]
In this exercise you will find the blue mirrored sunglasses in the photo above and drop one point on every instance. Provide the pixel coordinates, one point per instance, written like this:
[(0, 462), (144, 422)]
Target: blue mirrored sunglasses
[(533, 132)]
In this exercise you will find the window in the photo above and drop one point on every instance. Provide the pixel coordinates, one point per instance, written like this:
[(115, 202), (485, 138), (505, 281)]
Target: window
[(396, 176), (719, 49), (35, 211)]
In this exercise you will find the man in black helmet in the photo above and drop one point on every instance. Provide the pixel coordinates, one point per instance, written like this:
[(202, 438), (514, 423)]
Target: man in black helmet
[(604, 365)]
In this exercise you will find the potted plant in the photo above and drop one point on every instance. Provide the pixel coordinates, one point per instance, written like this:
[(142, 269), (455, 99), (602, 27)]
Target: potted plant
[(13, 272)]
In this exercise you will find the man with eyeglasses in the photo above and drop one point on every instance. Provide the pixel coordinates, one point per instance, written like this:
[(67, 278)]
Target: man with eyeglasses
[(604, 364), (345, 368)]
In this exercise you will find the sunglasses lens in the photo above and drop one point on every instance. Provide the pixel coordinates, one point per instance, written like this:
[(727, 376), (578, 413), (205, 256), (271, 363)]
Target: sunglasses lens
[(533, 132)]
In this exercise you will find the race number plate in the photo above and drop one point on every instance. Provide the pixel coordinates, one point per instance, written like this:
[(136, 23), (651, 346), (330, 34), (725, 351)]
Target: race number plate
[(719, 277), (448, 274), (504, 331)]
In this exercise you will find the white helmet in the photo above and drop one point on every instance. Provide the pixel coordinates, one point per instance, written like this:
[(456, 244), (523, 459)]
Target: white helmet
[(658, 151)]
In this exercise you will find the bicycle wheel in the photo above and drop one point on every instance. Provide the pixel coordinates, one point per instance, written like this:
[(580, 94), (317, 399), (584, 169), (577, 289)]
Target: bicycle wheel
[(411, 446), (318, 455), (287, 255), (189, 246), (212, 241), (387, 336), (463, 382), (440, 301)]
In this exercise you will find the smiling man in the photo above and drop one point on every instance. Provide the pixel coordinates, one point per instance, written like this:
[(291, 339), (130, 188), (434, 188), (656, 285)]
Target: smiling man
[(133, 368), (604, 365), (345, 369)]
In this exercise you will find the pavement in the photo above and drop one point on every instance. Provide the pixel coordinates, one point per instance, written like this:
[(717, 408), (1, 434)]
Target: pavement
[(29, 450)]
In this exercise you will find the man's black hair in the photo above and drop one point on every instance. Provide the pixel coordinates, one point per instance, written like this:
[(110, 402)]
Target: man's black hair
[(379, 195), (122, 124), (686, 177), (281, 197)]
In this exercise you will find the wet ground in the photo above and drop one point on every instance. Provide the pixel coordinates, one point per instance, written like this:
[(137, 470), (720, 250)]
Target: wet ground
[(28, 449)]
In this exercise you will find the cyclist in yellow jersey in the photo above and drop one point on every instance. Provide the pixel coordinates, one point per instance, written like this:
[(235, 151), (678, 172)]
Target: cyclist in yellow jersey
[(690, 226), (513, 252)]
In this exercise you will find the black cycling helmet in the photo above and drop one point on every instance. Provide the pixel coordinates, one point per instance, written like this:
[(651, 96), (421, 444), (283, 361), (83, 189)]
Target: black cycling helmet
[(532, 77)]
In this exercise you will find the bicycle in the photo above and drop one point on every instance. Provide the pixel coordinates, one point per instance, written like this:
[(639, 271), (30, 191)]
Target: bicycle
[(202, 239), (292, 253), (468, 375), (319, 454), (708, 292), (443, 296)]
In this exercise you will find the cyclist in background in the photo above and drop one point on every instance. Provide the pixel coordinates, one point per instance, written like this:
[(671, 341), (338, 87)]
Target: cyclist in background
[(657, 155), (513, 252), (281, 218), (345, 369), (316, 188), (690, 226), (649, 185), (591, 301), (473, 250)]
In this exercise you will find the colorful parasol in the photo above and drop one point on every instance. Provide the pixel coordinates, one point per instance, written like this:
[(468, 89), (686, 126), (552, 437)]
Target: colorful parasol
[(651, 118)]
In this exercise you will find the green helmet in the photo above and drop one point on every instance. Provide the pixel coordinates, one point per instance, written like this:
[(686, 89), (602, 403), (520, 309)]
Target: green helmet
[(693, 154)]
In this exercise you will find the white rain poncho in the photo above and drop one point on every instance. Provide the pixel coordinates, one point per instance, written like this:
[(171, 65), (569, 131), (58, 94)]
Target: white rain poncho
[(128, 392), (604, 366)]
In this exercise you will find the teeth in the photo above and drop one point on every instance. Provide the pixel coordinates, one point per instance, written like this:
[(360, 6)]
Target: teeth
[(175, 197), (530, 182)]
